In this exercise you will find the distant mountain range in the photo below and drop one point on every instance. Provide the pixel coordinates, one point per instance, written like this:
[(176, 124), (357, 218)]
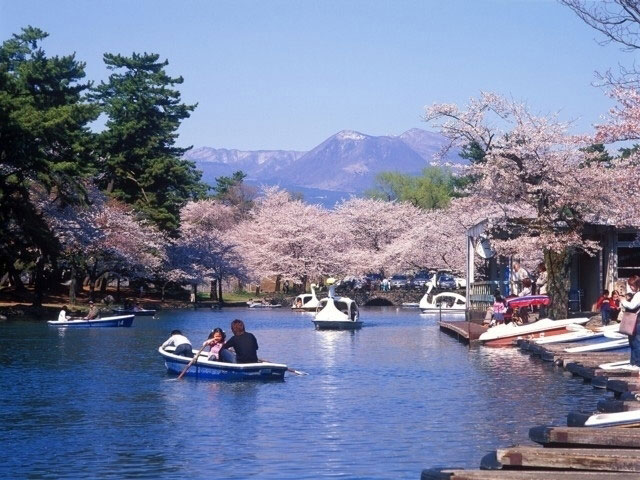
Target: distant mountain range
[(344, 164)]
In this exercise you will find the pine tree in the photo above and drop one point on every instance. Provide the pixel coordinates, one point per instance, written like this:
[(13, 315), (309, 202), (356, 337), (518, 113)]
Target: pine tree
[(141, 164)]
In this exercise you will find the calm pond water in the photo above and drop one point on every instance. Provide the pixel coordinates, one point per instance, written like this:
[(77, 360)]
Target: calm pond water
[(384, 402)]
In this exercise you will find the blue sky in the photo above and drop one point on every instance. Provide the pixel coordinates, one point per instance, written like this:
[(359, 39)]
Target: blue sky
[(282, 74)]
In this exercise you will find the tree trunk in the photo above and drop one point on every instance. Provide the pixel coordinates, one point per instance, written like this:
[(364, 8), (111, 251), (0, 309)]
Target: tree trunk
[(118, 289), (73, 285), (14, 275), (38, 282), (304, 283), (104, 281), (213, 290), (557, 264), (220, 291), (278, 279)]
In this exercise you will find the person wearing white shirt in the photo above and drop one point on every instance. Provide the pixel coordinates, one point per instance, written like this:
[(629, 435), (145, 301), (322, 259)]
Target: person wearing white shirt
[(518, 275), (633, 305), (62, 316), (182, 344)]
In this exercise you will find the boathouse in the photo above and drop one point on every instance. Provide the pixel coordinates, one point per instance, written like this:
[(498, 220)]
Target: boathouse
[(617, 259)]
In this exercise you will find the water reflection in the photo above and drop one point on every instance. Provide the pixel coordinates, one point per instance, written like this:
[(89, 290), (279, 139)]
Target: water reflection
[(381, 402)]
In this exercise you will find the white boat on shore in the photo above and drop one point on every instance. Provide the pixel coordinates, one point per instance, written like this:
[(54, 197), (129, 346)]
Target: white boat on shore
[(446, 303), (306, 302), (577, 335), (505, 335), (619, 344), (263, 305), (617, 419), (337, 313)]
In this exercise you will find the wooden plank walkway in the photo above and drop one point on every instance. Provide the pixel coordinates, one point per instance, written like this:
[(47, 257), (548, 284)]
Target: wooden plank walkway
[(569, 452), (466, 332)]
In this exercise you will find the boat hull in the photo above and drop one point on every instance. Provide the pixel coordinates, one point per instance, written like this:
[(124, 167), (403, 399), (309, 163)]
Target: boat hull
[(117, 321), (506, 335), (610, 346), (263, 305), (443, 311), (304, 309), (221, 371), (137, 313), (510, 341), (337, 324)]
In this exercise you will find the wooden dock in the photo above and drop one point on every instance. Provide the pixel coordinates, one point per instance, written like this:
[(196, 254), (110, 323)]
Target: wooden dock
[(569, 452), (466, 332)]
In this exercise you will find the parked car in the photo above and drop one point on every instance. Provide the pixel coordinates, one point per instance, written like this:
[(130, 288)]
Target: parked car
[(446, 281), (461, 282), (400, 281), (421, 280), (373, 280)]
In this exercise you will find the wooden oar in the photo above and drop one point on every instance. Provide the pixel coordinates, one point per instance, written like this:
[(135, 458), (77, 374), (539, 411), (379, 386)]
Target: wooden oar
[(194, 360), (297, 372)]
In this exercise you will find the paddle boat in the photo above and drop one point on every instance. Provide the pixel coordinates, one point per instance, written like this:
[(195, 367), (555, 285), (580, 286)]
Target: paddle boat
[(337, 313), (140, 312), (616, 341), (505, 335), (446, 302), (307, 302), (214, 370), (116, 321)]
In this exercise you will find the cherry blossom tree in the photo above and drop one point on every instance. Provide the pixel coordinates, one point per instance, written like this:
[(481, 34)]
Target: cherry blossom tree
[(368, 228), (206, 251), (287, 238), (536, 167), (102, 237)]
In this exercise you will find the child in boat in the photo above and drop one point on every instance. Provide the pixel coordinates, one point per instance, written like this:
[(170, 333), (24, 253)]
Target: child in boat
[(215, 342), (62, 316), (243, 343), (182, 344), (603, 305)]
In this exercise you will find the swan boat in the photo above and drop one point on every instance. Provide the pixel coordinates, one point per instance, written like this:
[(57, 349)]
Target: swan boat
[(337, 313), (505, 335), (213, 370), (143, 312), (116, 321), (446, 302), (306, 302)]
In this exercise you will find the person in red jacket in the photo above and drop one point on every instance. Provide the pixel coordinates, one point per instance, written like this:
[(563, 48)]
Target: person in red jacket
[(614, 306), (603, 305)]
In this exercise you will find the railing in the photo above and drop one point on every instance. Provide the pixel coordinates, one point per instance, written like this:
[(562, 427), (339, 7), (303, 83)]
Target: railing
[(481, 294)]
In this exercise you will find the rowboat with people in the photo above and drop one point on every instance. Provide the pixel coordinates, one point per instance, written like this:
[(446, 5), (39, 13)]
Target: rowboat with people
[(505, 335), (115, 321), (205, 369)]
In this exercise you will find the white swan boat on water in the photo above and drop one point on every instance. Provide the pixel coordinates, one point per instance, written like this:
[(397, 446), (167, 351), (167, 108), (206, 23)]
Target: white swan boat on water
[(337, 313), (505, 335), (306, 302), (446, 303)]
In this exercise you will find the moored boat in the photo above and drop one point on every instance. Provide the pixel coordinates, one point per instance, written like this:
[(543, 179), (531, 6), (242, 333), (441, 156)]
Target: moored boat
[(263, 305), (627, 419), (142, 312), (505, 335), (213, 370), (307, 302), (446, 302), (337, 313), (619, 344), (578, 335), (115, 321)]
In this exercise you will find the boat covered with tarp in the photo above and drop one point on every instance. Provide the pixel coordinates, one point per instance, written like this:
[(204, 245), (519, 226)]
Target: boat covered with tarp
[(206, 369)]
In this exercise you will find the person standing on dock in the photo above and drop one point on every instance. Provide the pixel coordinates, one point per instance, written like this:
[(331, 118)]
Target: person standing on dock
[(633, 305)]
